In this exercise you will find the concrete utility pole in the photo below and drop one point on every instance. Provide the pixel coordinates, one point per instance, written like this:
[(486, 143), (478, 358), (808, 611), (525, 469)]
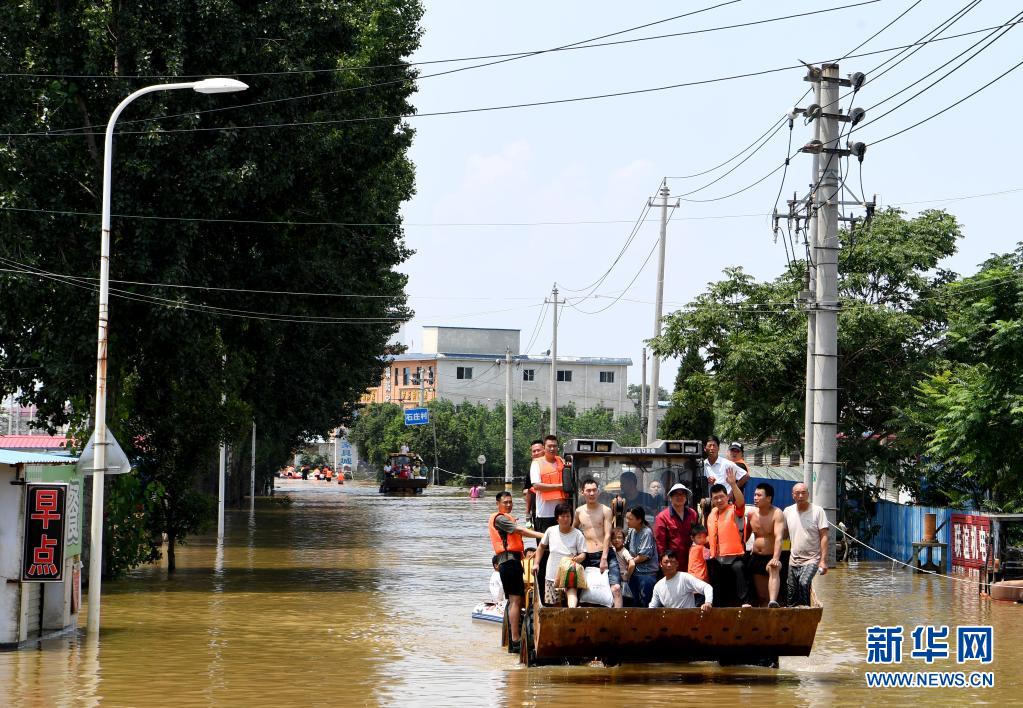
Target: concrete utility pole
[(221, 477), (655, 370), (825, 423), (252, 467), (811, 304), (509, 473), (642, 400), (554, 363)]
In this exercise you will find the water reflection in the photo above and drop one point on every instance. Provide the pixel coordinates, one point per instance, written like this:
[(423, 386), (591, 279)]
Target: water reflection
[(348, 597)]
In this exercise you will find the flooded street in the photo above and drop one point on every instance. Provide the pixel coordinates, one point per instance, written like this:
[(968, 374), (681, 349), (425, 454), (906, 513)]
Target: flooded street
[(352, 598)]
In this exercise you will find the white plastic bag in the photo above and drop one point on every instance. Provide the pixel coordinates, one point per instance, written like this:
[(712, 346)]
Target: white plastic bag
[(598, 591)]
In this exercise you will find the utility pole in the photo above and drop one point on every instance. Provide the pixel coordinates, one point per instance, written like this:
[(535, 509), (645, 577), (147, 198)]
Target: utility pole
[(508, 462), (642, 400), (825, 355), (655, 370), (554, 363), (811, 304), (252, 468), (221, 476)]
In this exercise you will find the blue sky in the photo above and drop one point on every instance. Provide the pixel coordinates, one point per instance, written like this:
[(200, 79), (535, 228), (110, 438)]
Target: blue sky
[(601, 160)]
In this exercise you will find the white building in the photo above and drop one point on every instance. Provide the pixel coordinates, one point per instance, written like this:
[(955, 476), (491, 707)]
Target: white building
[(468, 364)]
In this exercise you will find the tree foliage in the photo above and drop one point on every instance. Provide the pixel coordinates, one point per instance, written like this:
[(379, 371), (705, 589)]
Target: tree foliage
[(752, 339), (691, 413), (183, 374), (465, 431), (968, 415)]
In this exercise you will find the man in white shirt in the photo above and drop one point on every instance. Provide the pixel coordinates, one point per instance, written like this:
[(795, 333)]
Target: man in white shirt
[(715, 468), (679, 590), (807, 526)]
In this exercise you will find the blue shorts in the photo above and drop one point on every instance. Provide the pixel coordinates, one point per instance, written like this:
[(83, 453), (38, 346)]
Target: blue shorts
[(614, 576)]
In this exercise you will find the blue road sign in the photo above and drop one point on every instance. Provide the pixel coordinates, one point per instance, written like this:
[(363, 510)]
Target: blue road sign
[(417, 416)]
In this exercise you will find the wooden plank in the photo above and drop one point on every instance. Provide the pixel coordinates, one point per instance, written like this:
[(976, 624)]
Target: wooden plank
[(670, 634)]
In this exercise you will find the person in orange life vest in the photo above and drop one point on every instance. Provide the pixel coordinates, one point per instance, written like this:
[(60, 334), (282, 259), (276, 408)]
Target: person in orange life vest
[(547, 474), (726, 526), (699, 554), (535, 453), (506, 537), (673, 526)]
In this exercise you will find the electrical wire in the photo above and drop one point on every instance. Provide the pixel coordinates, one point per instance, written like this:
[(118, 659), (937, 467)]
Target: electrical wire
[(536, 328), (628, 242), (485, 109), (709, 217), (735, 167), (627, 287), (405, 79), (800, 99), (229, 312), (525, 53), (990, 39), (950, 107)]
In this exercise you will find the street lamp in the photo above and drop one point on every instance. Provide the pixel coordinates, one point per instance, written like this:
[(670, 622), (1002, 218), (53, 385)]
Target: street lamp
[(218, 85)]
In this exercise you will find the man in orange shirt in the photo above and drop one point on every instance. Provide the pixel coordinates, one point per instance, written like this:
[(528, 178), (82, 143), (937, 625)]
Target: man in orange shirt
[(726, 527), (547, 474)]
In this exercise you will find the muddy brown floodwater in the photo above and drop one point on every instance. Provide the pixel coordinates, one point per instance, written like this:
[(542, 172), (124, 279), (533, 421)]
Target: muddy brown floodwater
[(352, 598)]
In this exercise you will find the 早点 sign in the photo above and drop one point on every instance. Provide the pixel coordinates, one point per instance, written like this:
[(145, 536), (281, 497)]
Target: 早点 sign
[(45, 517)]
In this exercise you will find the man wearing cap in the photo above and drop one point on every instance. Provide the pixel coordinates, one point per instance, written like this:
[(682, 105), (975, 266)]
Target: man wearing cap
[(673, 526), (715, 468), (735, 452)]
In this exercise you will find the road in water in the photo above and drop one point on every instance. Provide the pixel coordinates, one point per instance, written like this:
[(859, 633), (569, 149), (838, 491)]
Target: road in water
[(352, 598)]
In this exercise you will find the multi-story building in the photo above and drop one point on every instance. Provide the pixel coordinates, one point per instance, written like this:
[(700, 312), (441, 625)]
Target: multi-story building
[(462, 364)]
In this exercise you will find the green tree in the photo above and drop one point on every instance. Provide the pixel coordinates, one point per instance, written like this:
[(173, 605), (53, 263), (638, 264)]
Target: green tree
[(172, 395), (691, 413), (754, 340), (466, 430), (969, 414)]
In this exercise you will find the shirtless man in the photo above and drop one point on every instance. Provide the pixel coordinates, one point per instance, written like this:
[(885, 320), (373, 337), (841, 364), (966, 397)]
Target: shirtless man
[(595, 521), (768, 525)]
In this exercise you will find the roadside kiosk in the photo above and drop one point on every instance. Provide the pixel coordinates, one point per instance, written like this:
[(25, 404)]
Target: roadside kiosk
[(41, 504)]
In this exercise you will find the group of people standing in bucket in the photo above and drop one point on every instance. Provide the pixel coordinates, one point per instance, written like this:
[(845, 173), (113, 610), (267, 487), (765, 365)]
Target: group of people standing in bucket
[(687, 558)]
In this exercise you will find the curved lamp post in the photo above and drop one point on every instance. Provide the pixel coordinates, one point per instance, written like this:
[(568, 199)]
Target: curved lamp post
[(218, 85)]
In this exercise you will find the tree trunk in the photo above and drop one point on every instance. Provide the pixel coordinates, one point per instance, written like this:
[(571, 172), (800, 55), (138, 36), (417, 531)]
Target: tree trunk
[(171, 564)]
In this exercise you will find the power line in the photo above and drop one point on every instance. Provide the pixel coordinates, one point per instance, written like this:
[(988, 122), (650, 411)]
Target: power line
[(405, 79), (485, 109), (586, 44), (225, 311), (628, 242), (990, 39), (800, 99), (950, 107), (511, 224)]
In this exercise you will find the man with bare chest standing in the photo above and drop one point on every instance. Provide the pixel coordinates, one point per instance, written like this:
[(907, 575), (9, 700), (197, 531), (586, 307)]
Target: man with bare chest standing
[(768, 526), (595, 521)]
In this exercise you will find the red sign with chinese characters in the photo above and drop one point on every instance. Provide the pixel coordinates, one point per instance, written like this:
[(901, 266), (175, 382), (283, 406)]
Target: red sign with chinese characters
[(969, 543), (43, 559)]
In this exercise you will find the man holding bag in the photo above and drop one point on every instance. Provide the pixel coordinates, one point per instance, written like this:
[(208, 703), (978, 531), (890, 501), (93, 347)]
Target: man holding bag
[(595, 521), (565, 548)]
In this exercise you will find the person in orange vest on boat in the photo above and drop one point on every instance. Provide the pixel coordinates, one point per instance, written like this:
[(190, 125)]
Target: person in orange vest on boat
[(725, 532), (506, 537), (547, 475)]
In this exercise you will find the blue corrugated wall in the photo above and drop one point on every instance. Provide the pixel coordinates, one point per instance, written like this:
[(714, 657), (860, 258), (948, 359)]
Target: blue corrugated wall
[(782, 490), (902, 525)]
